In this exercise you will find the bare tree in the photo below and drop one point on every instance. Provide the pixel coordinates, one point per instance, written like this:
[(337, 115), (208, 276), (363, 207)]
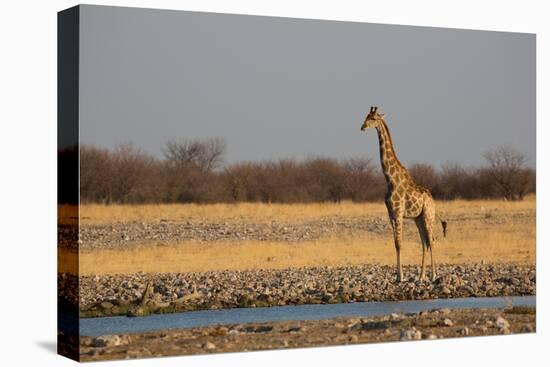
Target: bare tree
[(506, 168), (207, 155), (359, 166), (214, 153)]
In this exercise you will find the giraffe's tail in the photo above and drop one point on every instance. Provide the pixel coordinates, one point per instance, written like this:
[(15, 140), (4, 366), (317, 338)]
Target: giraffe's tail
[(443, 224)]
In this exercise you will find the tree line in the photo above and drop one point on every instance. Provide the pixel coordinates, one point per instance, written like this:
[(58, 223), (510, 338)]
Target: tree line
[(193, 171)]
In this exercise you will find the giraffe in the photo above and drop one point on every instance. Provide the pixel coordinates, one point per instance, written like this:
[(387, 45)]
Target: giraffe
[(404, 198)]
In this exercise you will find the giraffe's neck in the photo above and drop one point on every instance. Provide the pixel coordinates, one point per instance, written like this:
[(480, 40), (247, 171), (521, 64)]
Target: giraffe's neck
[(391, 166)]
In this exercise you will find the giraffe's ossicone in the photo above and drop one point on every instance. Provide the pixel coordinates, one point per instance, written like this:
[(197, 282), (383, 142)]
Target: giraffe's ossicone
[(404, 197)]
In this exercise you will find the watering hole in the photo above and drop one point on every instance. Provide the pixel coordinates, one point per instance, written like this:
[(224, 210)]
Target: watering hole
[(122, 324)]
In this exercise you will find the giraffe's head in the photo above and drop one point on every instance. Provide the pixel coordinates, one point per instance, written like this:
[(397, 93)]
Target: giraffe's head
[(373, 119)]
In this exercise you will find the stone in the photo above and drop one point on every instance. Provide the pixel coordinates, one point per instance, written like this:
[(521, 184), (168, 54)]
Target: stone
[(138, 311), (353, 338), (188, 297), (222, 330), (528, 329), (410, 334), (448, 322), (502, 324), (248, 288), (209, 346), (106, 305), (123, 302), (107, 341), (465, 331), (395, 317), (158, 304)]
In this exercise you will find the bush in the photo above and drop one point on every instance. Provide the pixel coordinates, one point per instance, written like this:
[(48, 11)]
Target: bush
[(191, 172)]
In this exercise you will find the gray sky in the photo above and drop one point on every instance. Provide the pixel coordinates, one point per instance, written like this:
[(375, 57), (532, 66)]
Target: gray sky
[(294, 88)]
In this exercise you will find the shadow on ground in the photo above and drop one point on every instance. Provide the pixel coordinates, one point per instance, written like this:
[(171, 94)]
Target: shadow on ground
[(48, 345)]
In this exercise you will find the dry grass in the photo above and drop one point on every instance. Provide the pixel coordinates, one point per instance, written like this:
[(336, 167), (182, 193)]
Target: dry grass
[(472, 243), (473, 237), (259, 212)]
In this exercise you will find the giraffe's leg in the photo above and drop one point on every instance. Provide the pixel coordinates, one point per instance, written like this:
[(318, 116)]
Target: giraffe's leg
[(419, 225), (398, 235), (422, 233), (390, 214), (434, 273), (428, 223), (423, 270)]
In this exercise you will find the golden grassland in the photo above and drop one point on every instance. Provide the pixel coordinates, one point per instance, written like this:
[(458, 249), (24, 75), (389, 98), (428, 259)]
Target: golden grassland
[(470, 239), (262, 212), (193, 256)]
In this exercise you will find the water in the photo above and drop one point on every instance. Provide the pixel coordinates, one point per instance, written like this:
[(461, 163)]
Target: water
[(123, 324)]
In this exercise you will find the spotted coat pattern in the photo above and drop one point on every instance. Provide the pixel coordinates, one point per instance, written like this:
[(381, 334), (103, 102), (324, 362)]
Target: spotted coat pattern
[(404, 197)]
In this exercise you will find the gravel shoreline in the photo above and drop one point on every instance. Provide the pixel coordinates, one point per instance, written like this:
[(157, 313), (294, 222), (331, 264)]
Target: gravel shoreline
[(443, 323), (144, 293)]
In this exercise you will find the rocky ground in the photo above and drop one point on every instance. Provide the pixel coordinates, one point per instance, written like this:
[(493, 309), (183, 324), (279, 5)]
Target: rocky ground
[(435, 324), (128, 234), (141, 294), (121, 235)]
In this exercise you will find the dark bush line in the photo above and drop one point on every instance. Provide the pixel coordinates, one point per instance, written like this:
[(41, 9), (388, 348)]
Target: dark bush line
[(192, 172)]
